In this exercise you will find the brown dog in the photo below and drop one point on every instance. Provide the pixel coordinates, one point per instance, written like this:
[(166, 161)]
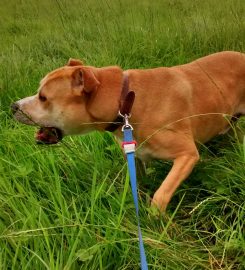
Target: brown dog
[(174, 107)]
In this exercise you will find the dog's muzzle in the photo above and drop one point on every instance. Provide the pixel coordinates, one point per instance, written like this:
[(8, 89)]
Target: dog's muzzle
[(45, 135)]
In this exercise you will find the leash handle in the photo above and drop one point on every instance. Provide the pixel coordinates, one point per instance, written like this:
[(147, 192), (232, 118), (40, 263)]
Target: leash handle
[(129, 149)]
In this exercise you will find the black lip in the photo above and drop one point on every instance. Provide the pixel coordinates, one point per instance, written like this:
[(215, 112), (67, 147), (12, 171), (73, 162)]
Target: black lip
[(59, 134), (53, 135)]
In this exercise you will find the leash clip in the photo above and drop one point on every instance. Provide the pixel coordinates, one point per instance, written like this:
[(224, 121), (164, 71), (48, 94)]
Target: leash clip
[(126, 121)]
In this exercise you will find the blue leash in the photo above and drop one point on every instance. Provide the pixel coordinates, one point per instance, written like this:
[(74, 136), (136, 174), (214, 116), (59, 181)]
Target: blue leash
[(129, 149)]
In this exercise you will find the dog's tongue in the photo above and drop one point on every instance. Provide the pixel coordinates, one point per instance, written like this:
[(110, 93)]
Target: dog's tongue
[(48, 135)]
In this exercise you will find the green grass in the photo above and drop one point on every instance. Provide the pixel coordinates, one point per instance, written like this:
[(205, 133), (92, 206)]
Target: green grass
[(70, 206)]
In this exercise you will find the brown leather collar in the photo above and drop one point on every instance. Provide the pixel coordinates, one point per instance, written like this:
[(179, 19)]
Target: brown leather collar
[(125, 104)]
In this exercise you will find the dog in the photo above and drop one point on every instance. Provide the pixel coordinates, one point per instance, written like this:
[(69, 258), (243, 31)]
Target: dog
[(174, 108)]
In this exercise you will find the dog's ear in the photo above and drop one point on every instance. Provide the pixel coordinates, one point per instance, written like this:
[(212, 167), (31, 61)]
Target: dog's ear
[(83, 79), (74, 62)]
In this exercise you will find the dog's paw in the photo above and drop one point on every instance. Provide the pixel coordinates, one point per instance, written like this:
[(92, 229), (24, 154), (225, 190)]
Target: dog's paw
[(153, 211), (160, 201)]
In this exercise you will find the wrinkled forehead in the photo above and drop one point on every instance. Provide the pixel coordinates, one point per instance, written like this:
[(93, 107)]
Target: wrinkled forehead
[(56, 76)]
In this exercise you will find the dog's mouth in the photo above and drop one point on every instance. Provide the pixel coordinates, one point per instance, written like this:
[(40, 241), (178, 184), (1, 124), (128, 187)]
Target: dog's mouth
[(48, 135)]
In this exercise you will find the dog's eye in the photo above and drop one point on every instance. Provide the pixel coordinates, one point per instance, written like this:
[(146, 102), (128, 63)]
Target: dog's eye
[(42, 98)]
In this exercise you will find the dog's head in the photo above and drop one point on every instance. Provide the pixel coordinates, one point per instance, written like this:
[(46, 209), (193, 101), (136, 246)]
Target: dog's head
[(65, 101)]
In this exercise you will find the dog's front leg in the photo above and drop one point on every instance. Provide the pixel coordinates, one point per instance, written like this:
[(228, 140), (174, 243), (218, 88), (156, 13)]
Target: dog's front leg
[(182, 167)]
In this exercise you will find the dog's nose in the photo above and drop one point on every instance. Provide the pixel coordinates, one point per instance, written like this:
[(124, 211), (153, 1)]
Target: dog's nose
[(14, 107)]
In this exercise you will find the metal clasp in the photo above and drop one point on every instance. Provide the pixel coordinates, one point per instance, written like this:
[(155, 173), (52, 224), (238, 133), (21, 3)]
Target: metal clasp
[(126, 121)]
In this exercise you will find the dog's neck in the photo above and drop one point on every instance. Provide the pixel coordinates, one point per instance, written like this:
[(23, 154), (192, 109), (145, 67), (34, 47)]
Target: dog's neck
[(104, 103), (125, 105)]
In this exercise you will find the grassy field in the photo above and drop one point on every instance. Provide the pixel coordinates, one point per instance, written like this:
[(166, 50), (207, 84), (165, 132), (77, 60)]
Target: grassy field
[(69, 206)]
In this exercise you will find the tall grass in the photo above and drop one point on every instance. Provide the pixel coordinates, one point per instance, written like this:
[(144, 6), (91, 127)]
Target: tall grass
[(69, 206)]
